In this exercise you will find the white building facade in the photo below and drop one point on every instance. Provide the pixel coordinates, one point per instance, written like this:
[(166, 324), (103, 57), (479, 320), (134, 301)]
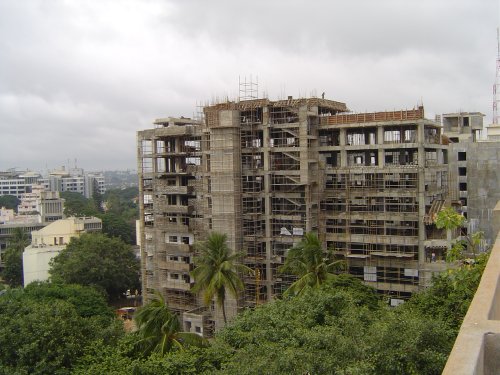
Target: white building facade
[(48, 242)]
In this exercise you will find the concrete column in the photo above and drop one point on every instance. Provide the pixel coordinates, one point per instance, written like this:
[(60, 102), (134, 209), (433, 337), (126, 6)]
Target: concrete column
[(267, 199)]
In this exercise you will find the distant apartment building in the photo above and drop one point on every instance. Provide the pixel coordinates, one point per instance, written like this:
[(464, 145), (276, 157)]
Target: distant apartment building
[(36, 210), (49, 241), (17, 183), (266, 172), (43, 206), (75, 180)]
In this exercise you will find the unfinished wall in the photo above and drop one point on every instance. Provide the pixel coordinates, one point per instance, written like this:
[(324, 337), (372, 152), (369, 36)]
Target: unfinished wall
[(483, 182)]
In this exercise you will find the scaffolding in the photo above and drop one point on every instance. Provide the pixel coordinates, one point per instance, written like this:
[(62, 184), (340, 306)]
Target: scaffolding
[(267, 172)]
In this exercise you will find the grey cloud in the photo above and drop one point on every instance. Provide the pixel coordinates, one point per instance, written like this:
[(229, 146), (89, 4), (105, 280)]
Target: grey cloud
[(84, 76)]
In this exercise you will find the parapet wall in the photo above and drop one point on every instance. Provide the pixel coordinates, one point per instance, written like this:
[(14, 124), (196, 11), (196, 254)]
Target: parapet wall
[(355, 118), (477, 347)]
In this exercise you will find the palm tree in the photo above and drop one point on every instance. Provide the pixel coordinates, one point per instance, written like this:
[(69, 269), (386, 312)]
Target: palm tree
[(19, 239), (307, 261), (217, 271), (159, 330)]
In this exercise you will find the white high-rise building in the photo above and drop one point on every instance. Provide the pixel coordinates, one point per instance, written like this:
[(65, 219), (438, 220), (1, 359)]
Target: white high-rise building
[(74, 180)]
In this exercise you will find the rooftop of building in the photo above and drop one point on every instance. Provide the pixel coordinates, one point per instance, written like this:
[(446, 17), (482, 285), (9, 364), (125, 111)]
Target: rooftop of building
[(289, 102), (410, 115), (172, 121), (462, 114), (68, 225)]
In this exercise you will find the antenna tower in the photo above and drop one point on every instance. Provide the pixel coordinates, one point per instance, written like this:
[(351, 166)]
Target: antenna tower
[(496, 86)]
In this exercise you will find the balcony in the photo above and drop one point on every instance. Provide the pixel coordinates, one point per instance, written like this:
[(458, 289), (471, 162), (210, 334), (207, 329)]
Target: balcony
[(176, 284), (177, 248), (164, 223), (163, 207), (175, 266), (174, 189)]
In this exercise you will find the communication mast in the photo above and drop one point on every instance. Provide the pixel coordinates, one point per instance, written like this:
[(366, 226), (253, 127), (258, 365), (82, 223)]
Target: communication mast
[(496, 86)]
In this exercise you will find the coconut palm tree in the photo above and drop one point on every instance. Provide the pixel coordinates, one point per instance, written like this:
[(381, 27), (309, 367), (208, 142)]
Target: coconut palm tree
[(217, 271), (309, 263), (159, 330)]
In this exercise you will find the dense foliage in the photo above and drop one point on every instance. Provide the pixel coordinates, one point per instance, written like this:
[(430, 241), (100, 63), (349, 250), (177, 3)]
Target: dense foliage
[(97, 260), (450, 295), (44, 330), (116, 208), (75, 204), (327, 331), (341, 327), (9, 201), (12, 258), (87, 301)]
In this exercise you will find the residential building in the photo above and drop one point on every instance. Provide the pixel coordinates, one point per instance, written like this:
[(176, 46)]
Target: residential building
[(266, 172), (474, 164), (49, 241), (74, 180), (43, 206), (7, 230), (17, 183), (35, 211)]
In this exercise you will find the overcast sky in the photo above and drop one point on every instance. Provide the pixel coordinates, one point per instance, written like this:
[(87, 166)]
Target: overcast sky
[(79, 78)]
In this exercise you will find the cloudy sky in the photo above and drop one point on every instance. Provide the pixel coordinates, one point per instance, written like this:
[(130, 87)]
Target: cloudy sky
[(79, 78)]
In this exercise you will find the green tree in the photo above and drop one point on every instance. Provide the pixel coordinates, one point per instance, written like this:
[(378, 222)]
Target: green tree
[(469, 244), (13, 258), (118, 200), (327, 331), (119, 219), (449, 219), (87, 301), (120, 359), (310, 263), (47, 337), (97, 197), (115, 226), (96, 260), (217, 271), (121, 213), (76, 204), (449, 296), (159, 330), (407, 343), (9, 201)]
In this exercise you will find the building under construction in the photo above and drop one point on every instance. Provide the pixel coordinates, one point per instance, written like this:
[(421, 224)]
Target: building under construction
[(266, 172)]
